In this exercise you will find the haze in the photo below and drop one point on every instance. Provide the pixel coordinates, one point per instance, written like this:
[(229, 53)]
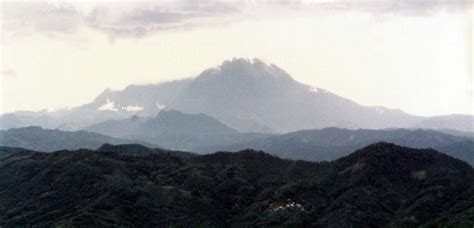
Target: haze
[(415, 56)]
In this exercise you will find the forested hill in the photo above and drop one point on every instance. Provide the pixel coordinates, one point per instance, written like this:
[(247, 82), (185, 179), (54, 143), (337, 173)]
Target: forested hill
[(380, 185)]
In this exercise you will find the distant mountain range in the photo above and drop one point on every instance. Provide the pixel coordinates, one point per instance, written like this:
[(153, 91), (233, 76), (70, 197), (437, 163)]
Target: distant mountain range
[(202, 134), (166, 122), (332, 143), (175, 130), (382, 185), (246, 95), (46, 140)]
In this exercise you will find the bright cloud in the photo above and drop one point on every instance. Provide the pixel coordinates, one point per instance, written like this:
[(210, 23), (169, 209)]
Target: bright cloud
[(132, 108), (108, 106)]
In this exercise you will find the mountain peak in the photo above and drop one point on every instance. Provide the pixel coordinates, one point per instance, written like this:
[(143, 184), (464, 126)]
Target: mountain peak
[(173, 120), (244, 61), (170, 112), (382, 149), (245, 69), (383, 155)]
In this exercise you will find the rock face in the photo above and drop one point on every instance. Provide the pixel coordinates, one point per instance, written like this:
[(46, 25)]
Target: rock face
[(247, 95), (379, 185)]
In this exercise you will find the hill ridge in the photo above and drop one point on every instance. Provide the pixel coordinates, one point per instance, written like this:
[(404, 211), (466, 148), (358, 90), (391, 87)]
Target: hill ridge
[(249, 188)]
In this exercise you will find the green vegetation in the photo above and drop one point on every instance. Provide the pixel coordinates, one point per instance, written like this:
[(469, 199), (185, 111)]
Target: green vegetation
[(380, 185)]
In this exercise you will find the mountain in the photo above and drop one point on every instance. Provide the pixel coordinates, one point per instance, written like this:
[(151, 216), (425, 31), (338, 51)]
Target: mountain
[(46, 140), (246, 95), (332, 143), (467, 134), (379, 185), (241, 90), (67, 119), (108, 105), (118, 128), (463, 150), (389, 180), (7, 151), (457, 122), (166, 122), (253, 96), (174, 129)]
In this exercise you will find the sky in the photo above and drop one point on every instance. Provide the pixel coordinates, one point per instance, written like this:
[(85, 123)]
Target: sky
[(414, 55)]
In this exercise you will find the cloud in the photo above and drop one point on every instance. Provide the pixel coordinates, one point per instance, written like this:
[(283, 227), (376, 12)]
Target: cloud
[(28, 17), (141, 19), (125, 19), (400, 7), (8, 73), (108, 106)]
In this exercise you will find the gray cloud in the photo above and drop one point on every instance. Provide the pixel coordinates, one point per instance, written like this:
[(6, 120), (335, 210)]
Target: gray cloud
[(400, 7), (140, 19), (8, 73), (24, 17), (152, 16), (144, 19)]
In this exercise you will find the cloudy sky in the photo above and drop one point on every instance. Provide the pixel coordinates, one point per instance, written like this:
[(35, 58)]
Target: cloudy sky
[(415, 55)]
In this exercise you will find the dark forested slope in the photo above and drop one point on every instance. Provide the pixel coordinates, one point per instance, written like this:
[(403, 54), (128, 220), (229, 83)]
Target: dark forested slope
[(379, 185)]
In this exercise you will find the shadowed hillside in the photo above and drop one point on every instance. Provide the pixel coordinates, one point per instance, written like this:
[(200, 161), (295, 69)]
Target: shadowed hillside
[(379, 185), (332, 143), (47, 140), (175, 130)]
